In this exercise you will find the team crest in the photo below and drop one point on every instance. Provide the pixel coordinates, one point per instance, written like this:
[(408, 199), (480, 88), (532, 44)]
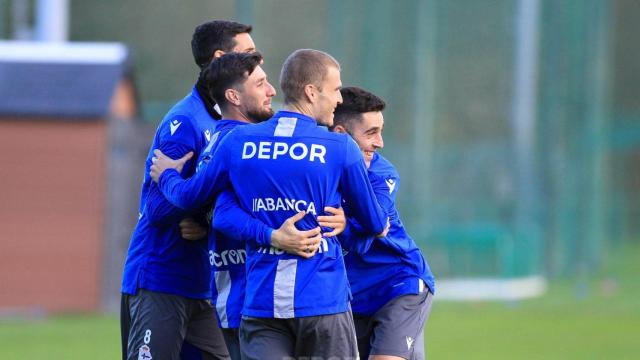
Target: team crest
[(144, 353)]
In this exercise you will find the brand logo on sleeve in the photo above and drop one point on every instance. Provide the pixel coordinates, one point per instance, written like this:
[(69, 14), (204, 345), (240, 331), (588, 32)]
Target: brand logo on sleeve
[(391, 183), (409, 342), (207, 134), (206, 153), (175, 124), (211, 142)]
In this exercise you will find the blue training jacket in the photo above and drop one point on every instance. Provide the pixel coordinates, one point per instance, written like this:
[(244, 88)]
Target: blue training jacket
[(227, 254), (158, 258), (381, 269), (277, 168)]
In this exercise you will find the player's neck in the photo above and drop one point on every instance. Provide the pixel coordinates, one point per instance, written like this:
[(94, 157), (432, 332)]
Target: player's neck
[(234, 114), (300, 108)]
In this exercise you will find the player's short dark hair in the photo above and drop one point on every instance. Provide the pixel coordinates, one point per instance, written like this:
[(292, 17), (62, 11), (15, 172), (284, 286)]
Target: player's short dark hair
[(301, 68), (212, 36), (229, 71), (355, 102)]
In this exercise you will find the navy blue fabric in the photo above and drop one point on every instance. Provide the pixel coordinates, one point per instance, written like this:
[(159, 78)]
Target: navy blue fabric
[(158, 258)]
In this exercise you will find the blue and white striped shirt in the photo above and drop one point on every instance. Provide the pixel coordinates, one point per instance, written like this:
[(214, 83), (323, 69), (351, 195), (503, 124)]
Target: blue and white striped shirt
[(276, 169)]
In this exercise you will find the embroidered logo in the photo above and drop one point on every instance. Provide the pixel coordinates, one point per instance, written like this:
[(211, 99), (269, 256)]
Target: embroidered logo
[(207, 150), (391, 184), (409, 342), (207, 134), (175, 124)]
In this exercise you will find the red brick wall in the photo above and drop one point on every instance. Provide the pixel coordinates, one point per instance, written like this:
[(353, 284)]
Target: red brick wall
[(52, 185)]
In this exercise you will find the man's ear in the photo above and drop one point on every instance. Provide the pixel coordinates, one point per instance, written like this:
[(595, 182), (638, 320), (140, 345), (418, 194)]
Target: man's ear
[(340, 129), (310, 92), (217, 54), (232, 96)]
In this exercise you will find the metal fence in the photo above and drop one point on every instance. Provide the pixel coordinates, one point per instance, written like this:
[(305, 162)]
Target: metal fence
[(513, 123)]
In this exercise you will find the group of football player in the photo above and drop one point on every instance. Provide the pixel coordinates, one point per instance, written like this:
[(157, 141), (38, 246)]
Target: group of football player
[(271, 235)]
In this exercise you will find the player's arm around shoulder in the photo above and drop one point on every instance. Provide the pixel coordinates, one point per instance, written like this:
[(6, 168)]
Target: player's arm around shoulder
[(176, 138), (177, 135), (199, 190)]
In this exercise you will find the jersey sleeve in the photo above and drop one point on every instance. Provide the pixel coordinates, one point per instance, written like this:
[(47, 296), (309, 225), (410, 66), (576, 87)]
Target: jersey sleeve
[(236, 224), (159, 210), (178, 129), (200, 189), (354, 237), (385, 189), (358, 193)]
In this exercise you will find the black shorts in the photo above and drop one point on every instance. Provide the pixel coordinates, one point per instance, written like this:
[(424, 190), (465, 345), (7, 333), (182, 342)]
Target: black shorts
[(396, 329), (232, 339), (154, 325), (327, 337)]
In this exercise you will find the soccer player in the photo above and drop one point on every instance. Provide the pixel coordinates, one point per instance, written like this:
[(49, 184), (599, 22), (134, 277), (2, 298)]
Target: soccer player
[(242, 91), (166, 280), (387, 274), (239, 85), (294, 306)]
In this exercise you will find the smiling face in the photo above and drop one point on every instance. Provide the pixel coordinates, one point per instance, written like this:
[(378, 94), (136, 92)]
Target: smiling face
[(360, 115), (367, 132), (255, 96)]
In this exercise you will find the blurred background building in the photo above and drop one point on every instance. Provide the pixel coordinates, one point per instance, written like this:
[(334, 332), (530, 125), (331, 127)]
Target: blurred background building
[(515, 124)]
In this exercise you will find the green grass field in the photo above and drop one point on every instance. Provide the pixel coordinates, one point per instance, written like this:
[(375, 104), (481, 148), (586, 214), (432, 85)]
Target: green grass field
[(594, 319)]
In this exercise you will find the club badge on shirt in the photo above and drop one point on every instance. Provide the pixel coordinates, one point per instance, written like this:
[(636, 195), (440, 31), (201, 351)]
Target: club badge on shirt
[(144, 353)]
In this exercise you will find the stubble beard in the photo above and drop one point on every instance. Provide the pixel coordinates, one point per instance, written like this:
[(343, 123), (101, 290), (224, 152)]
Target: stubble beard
[(260, 115)]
